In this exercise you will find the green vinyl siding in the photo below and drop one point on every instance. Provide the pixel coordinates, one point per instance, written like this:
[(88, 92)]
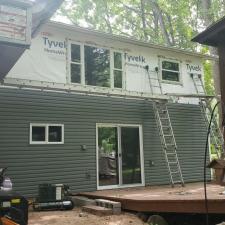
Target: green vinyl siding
[(190, 134), (30, 165)]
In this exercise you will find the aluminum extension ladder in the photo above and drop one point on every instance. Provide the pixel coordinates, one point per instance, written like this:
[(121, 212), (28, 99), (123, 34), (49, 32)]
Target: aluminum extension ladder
[(168, 143), (154, 82), (216, 137), (166, 134)]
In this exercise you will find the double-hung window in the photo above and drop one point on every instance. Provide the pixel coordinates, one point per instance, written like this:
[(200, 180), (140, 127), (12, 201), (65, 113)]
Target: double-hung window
[(46, 133), (75, 63), (118, 69), (95, 66), (170, 71)]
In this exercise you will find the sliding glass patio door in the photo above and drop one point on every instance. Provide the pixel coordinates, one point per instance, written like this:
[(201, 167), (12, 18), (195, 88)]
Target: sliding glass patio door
[(108, 166), (119, 156), (131, 157)]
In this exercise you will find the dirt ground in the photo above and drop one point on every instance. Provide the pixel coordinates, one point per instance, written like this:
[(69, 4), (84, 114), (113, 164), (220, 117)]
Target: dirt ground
[(77, 217)]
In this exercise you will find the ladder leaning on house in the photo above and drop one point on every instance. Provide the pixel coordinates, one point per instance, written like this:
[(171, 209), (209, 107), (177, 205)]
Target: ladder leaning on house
[(216, 136), (165, 128)]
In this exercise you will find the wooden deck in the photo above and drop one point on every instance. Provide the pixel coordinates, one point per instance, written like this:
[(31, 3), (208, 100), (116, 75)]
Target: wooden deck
[(188, 199)]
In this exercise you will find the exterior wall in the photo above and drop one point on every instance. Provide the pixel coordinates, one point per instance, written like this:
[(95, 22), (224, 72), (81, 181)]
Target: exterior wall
[(47, 61), (30, 165), (190, 134)]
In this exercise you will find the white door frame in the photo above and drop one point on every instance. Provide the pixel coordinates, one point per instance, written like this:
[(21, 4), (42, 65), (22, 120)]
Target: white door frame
[(118, 126)]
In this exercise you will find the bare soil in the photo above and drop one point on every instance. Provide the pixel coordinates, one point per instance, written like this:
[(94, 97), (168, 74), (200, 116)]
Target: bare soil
[(77, 217)]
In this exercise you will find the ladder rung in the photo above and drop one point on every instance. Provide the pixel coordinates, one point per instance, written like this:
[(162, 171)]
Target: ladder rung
[(177, 182), (174, 172), (162, 112), (172, 162), (166, 118), (166, 126), (171, 153), (160, 108), (168, 135)]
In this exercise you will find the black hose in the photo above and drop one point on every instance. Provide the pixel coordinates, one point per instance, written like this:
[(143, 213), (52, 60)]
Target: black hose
[(205, 163)]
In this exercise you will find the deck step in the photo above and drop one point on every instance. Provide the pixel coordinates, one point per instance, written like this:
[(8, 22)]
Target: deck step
[(80, 201), (115, 206), (97, 210)]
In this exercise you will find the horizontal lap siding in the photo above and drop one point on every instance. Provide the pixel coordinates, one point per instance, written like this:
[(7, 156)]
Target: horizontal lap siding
[(190, 131), (190, 134), (157, 174), (30, 165)]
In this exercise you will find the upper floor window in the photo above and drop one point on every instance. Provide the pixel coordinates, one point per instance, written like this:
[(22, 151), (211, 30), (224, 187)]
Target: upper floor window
[(118, 70), (75, 64), (96, 66), (170, 71)]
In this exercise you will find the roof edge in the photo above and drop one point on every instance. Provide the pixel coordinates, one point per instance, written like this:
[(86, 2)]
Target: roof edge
[(129, 40), (210, 31)]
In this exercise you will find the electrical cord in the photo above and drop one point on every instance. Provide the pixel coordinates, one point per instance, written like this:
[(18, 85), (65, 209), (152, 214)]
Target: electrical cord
[(205, 163)]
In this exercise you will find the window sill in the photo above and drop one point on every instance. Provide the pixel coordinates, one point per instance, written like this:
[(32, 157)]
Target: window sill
[(171, 82), (46, 143)]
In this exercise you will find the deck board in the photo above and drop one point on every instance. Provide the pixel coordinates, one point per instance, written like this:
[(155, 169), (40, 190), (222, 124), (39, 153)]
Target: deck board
[(188, 199)]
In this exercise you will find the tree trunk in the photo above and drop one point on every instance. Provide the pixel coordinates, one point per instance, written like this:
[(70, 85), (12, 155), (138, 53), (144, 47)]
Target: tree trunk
[(207, 14), (208, 19), (171, 29), (156, 25), (107, 17), (156, 9), (143, 18)]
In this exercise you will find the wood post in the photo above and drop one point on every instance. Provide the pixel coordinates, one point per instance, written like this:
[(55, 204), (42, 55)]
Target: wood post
[(221, 51)]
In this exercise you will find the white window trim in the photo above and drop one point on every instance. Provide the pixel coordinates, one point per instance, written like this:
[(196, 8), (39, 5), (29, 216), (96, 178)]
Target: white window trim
[(112, 69), (69, 62), (82, 63), (46, 133), (179, 72), (120, 185)]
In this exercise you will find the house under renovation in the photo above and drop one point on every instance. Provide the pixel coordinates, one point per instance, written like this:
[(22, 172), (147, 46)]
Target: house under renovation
[(97, 111)]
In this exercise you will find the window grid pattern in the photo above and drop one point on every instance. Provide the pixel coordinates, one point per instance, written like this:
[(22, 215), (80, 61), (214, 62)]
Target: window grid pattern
[(78, 66), (118, 70), (46, 133), (170, 71)]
